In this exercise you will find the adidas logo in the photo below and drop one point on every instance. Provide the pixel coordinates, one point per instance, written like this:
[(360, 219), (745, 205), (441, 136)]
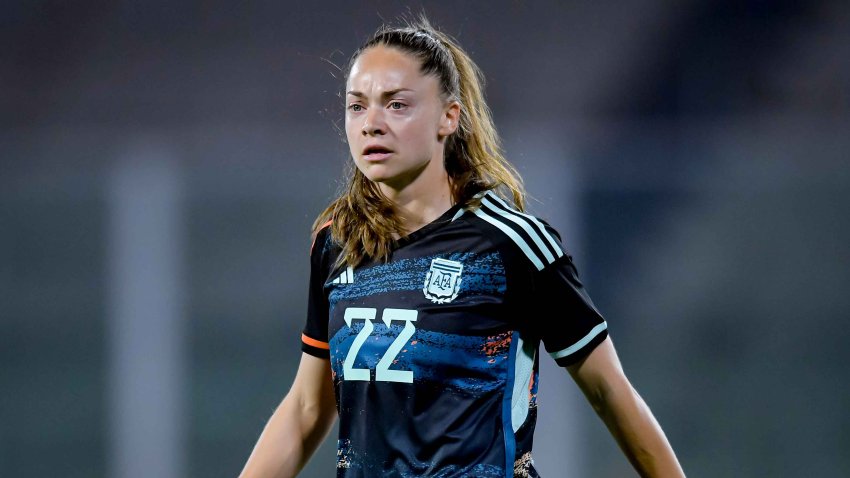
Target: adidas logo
[(347, 277)]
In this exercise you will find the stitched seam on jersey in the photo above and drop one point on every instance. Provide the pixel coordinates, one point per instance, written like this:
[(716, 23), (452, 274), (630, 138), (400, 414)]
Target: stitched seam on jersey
[(507, 428), (524, 225), (540, 226), (581, 343), (514, 236)]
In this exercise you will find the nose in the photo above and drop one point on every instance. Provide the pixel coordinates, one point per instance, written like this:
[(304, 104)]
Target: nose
[(373, 124)]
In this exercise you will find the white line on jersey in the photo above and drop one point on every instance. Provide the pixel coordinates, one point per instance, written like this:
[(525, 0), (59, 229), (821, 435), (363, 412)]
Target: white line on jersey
[(510, 221)]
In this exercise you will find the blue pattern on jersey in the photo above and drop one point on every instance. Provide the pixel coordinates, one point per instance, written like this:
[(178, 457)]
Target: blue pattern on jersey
[(350, 459), (482, 274), (431, 356)]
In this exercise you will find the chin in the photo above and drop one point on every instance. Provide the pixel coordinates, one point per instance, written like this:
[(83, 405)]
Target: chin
[(374, 172), (384, 180)]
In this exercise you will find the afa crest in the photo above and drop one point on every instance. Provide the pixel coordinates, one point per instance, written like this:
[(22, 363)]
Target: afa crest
[(442, 283)]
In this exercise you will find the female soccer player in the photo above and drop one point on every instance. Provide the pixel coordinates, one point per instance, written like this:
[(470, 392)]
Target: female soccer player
[(431, 291)]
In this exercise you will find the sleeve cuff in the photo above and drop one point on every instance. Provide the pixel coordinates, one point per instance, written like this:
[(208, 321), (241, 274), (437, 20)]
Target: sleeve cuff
[(314, 347), (583, 347)]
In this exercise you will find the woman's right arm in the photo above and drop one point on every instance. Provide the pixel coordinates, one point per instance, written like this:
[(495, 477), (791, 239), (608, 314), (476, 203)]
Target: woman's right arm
[(298, 426)]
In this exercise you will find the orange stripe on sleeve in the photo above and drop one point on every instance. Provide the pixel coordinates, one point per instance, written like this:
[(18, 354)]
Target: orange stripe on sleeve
[(315, 343)]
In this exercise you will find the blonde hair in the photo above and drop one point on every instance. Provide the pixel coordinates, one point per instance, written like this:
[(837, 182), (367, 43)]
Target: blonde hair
[(363, 219)]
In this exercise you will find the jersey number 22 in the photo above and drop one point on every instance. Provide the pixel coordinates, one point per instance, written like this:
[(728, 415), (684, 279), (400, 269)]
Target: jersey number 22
[(382, 370)]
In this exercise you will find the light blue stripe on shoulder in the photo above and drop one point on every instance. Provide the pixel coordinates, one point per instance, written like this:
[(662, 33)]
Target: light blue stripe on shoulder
[(514, 236), (536, 221), (511, 216)]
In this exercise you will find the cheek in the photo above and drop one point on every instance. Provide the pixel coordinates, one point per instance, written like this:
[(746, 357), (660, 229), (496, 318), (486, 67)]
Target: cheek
[(422, 135), (348, 127), (351, 133)]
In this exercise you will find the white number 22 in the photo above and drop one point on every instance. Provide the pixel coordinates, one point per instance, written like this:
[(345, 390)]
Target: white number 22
[(382, 370)]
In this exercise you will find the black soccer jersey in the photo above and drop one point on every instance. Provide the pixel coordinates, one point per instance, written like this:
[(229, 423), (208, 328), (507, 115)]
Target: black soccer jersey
[(434, 353)]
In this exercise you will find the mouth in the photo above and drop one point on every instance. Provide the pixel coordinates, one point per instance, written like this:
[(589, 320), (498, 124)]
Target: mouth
[(376, 153)]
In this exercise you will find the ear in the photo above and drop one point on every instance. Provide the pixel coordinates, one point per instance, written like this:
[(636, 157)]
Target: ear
[(450, 119)]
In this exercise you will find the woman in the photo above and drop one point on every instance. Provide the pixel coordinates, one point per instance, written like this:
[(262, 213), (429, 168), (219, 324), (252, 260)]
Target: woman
[(431, 291)]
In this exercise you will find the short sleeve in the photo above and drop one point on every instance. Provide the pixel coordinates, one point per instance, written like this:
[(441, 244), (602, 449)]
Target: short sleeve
[(314, 337), (567, 322)]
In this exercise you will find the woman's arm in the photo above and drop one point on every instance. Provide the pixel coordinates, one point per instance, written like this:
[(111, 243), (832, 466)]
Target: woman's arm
[(298, 426), (601, 378)]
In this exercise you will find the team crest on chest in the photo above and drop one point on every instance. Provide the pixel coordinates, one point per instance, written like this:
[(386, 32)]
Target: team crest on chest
[(442, 283)]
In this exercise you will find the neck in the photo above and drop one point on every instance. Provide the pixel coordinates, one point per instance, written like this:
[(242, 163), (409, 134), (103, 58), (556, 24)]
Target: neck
[(419, 211), (423, 200)]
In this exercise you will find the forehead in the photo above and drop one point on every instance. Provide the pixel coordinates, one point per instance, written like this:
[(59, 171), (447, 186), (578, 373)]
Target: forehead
[(384, 68)]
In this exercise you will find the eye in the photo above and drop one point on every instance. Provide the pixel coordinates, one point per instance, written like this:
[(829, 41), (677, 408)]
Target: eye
[(396, 105), (355, 107)]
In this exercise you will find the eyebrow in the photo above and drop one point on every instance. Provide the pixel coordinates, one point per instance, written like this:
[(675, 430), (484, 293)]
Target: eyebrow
[(385, 94)]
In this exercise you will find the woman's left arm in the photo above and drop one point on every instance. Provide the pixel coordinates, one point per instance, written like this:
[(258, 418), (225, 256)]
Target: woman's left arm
[(602, 380)]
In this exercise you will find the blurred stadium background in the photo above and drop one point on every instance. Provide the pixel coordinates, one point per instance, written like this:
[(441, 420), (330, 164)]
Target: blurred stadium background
[(161, 163)]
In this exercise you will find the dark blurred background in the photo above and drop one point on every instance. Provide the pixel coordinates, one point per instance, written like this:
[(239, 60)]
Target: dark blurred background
[(161, 163)]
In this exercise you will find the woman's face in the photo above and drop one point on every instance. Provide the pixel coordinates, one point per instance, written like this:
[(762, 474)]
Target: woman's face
[(396, 120)]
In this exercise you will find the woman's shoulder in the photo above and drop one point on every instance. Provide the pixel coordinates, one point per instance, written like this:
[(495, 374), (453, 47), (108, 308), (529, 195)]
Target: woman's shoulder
[(320, 236), (324, 250), (531, 237)]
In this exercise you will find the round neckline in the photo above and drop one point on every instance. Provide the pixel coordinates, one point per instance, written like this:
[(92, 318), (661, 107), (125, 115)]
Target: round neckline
[(444, 218)]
